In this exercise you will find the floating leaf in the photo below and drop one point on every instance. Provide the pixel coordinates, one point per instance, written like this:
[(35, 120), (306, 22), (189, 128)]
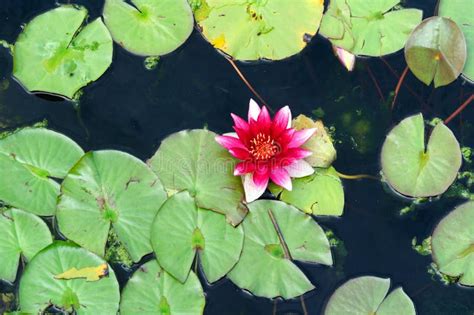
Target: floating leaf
[(453, 244), (39, 289), (415, 170), (369, 27), (153, 291), (252, 30), (192, 160), (460, 11), (149, 27), (264, 267), (57, 53), (181, 230), (29, 159), (110, 189), (436, 51), (22, 234), (318, 194), (368, 295), (88, 273)]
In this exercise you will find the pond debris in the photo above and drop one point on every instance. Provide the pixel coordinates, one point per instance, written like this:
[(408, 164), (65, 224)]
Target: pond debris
[(6, 45), (151, 62), (414, 204), (436, 275), (116, 252), (424, 248)]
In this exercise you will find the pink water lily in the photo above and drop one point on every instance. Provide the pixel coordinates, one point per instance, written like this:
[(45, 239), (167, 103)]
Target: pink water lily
[(267, 149)]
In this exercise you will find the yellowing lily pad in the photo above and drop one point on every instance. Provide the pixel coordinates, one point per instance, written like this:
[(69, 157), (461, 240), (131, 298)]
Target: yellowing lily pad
[(57, 53), (415, 169), (259, 29)]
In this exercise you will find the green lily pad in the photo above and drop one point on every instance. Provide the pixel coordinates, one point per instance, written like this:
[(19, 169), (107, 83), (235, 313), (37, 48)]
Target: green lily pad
[(264, 268), (259, 29), (436, 51), (29, 160), (414, 169), (192, 160), (369, 27), (39, 289), (460, 11), (22, 235), (181, 230), (368, 295), (57, 53), (153, 291), (319, 194), (453, 244), (110, 189)]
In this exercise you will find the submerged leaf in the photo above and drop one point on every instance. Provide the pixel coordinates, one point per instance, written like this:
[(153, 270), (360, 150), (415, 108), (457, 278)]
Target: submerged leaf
[(88, 273)]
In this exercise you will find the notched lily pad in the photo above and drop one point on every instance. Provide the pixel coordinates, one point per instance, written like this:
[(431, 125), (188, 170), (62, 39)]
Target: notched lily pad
[(415, 169), (57, 53), (453, 244), (151, 290)]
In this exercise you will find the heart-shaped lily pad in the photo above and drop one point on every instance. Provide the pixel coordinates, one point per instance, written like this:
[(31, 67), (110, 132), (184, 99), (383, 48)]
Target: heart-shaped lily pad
[(452, 244), (40, 288), (22, 235), (368, 295), (57, 53), (153, 291), (110, 189), (318, 194), (275, 235), (460, 11), (181, 230), (369, 27), (192, 160), (414, 169), (149, 27), (259, 29), (29, 159), (436, 51)]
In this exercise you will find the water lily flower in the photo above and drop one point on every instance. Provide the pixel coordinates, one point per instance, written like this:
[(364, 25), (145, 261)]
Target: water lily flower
[(267, 149)]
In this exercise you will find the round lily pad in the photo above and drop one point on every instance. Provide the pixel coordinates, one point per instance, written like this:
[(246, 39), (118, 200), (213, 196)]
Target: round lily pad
[(40, 287), (460, 11), (110, 189), (453, 244), (151, 290), (57, 53), (22, 236), (192, 160), (149, 27), (261, 29), (29, 160), (436, 51), (266, 266), (181, 230), (368, 295), (414, 169), (319, 194), (369, 27)]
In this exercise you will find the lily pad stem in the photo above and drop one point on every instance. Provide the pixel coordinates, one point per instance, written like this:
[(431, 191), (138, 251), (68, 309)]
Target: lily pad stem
[(358, 176), (286, 251), (460, 109), (399, 85), (376, 83)]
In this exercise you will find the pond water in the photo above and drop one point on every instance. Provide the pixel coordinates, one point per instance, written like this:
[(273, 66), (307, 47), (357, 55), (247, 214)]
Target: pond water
[(132, 109)]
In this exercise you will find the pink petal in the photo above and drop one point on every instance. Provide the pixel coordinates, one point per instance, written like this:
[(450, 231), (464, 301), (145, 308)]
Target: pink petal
[(254, 110), (281, 121), (239, 122), (346, 58), (295, 154), (300, 137), (231, 134), (261, 174), (300, 168), (252, 191), (264, 121), (281, 177), (243, 135), (230, 142), (240, 154), (244, 168)]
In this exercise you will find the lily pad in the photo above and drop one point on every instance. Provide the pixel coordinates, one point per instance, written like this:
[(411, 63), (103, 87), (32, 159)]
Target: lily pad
[(414, 169), (29, 160), (436, 51), (369, 27), (110, 189), (181, 230), (153, 291), (319, 194), (192, 160), (57, 53), (39, 289), (265, 267), (368, 295), (149, 27), (460, 11), (259, 29), (453, 244), (22, 236)]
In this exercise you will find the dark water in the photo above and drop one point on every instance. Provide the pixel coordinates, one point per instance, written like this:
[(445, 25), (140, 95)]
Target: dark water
[(132, 109)]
